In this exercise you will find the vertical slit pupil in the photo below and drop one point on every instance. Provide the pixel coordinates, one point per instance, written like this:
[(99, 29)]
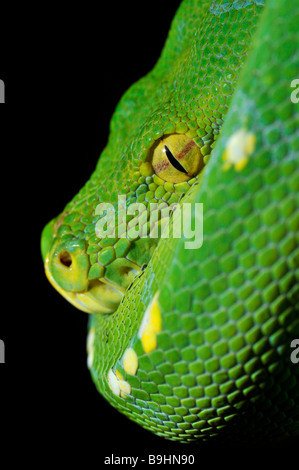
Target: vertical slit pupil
[(173, 161)]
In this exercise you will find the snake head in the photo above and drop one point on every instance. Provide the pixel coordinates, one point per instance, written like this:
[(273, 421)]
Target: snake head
[(102, 240)]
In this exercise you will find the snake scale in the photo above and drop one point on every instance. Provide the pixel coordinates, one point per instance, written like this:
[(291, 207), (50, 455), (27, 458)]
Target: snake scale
[(194, 343)]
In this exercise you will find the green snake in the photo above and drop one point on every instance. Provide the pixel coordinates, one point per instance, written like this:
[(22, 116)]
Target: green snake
[(193, 341)]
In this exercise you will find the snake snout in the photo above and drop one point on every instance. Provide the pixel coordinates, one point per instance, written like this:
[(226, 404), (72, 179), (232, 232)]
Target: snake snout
[(69, 264)]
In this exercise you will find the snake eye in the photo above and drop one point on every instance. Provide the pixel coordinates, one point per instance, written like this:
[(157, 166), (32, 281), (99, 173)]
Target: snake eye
[(176, 158)]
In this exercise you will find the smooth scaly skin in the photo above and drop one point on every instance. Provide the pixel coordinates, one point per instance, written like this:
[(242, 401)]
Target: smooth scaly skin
[(221, 366)]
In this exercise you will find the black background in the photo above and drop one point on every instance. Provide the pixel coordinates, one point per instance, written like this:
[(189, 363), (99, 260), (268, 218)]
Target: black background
[(64, 71)]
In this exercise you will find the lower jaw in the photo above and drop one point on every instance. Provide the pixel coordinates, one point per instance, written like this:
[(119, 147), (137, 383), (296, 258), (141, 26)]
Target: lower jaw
[(101, 297)]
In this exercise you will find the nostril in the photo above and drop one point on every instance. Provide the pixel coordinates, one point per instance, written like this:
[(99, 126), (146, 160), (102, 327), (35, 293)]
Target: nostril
[(69, 265), (65, 259)]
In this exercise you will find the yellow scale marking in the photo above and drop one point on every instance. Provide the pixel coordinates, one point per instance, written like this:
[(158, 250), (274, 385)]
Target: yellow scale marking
[(238, 149), (151, 325)]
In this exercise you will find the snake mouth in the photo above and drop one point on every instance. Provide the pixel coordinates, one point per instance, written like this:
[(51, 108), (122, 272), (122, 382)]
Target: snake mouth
[(101, 296)]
